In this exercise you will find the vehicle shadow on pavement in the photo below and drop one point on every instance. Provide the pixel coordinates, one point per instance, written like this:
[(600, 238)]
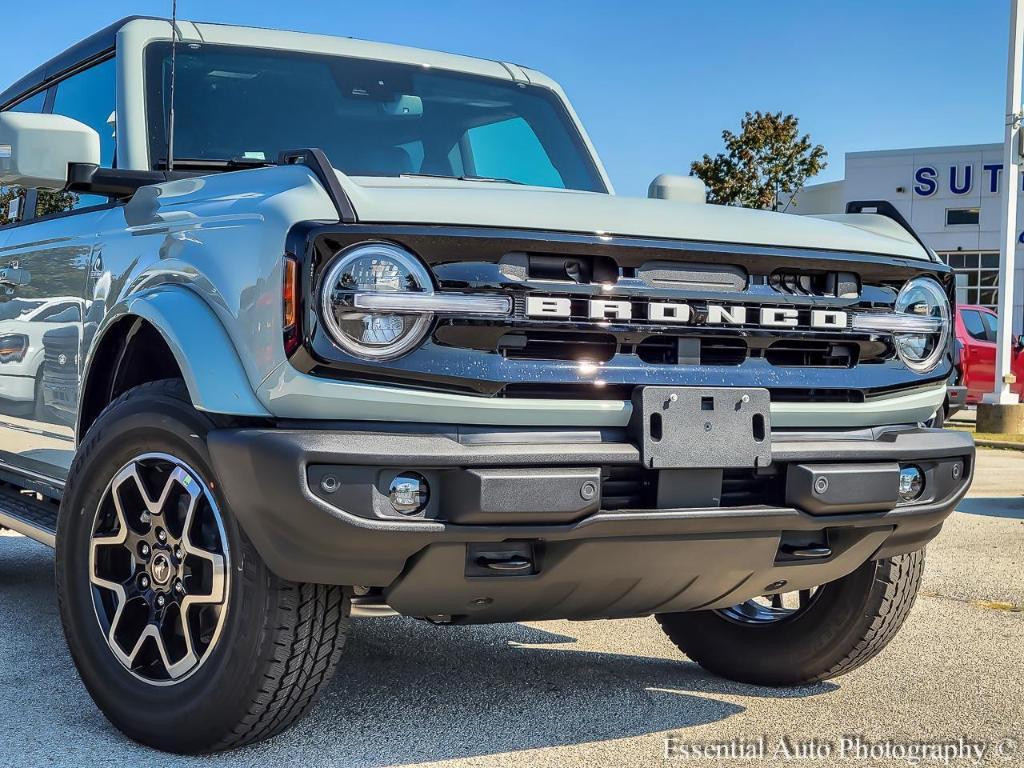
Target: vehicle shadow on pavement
[(1011, 508), (406, 691), (410, 692)]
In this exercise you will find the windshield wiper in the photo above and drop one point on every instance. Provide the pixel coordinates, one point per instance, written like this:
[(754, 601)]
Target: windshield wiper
[(207, 164), (490, 179)]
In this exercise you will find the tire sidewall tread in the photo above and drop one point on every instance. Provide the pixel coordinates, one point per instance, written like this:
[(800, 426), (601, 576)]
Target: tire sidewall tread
[(847, 625), (280, 640)]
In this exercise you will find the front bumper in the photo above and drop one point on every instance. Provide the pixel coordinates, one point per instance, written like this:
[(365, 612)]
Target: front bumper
[(17, 388), (509, 496)]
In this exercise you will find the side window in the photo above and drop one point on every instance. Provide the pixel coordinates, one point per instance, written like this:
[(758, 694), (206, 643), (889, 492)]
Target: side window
[(89, 98), (509, 149), (991, 327), (64, 312), (974, 325), (12, 199)]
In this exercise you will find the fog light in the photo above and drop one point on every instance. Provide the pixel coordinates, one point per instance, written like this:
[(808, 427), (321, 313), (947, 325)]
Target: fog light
[(409, 493), (911, 483)]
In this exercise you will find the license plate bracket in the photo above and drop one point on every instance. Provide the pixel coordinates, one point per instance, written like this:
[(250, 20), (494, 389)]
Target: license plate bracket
[(702, 427)]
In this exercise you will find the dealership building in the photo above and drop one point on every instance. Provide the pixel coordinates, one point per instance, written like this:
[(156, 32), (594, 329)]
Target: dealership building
[(952, 196)]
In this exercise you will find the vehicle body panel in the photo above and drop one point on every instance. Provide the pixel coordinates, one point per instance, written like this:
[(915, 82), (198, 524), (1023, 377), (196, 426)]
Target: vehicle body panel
[(57, 256), (454, 202), (978, 358)]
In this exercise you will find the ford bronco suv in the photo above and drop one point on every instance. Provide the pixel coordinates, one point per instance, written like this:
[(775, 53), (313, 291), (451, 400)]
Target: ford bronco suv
[(362, 330)]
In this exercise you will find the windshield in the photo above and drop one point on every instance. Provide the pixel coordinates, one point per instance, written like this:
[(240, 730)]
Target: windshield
[(372, 118)]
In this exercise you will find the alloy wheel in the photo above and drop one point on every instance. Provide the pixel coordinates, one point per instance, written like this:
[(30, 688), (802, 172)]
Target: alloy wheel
[(159, 568), (772, 609)]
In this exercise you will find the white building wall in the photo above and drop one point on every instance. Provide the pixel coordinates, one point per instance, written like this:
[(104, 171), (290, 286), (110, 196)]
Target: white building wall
[(923, 184)]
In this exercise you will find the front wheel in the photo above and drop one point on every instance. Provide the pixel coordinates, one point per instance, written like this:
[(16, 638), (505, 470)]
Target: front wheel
[(183, 637), (815, 635)]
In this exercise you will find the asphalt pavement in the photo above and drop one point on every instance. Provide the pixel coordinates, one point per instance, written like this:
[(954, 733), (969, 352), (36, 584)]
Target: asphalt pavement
[(607, 693)]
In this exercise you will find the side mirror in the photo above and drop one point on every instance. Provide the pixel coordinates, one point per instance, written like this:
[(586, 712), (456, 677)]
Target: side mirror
[(35, 150), (1019, 342), (683, 189)]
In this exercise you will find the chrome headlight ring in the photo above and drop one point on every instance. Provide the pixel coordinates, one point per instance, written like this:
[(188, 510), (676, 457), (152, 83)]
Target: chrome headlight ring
[(922, 300), (378, 301), (374, 269)]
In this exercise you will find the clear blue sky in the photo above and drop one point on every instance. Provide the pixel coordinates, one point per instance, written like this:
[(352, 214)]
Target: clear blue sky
[(657, 81)]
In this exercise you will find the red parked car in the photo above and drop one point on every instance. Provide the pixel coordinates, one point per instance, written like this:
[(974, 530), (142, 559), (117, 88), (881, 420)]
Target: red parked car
[(976, 332)]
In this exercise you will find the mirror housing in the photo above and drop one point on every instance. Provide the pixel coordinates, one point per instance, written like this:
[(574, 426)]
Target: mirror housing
[(35, 150), (1019, 342), (682, 189)]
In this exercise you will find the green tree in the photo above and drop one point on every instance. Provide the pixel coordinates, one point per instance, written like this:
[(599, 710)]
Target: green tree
[(767, 159), (12, 200)]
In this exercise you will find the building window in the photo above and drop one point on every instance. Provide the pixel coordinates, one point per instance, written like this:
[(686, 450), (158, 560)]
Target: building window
[(955, 216), (977, 276)]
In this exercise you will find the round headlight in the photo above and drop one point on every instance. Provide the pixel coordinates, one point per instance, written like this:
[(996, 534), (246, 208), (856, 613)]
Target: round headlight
[(361, 273), (922, 348)]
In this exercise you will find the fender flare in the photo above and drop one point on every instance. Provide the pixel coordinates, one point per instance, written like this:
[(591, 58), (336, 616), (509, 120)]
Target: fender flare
[(205, 354)]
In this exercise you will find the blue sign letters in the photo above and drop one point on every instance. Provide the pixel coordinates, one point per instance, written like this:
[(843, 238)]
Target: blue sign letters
[(954, 182), (993, 170), (924, 181)]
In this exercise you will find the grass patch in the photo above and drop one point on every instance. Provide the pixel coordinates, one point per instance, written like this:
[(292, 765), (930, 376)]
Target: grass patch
[(984, 435), (1000, 437)]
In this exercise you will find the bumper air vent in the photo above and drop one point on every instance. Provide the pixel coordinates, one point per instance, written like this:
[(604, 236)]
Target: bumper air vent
[(747, 488), (627, 487)]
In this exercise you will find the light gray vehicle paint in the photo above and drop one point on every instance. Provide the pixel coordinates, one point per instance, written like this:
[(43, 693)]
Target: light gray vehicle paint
[(201, 259)]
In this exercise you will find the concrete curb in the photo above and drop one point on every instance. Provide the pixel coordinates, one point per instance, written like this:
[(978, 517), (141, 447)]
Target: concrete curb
[(999, 444)]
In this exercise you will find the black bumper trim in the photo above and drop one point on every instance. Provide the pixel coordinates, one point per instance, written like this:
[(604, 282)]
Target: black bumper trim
[(263, 475)]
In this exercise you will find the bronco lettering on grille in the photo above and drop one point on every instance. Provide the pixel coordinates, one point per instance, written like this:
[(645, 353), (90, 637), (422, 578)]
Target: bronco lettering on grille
[(681, 313)]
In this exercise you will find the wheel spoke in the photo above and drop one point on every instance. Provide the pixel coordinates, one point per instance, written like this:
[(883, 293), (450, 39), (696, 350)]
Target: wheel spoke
[(770, 609), (142, 601)]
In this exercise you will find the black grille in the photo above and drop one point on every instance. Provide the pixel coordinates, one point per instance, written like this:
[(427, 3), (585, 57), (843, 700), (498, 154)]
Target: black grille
[(533, 354), (554, 345), (812, 354), (673, 350), (804, 283)]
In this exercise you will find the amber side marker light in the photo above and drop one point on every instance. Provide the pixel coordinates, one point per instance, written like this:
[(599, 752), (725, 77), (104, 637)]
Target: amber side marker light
[(290, 305)]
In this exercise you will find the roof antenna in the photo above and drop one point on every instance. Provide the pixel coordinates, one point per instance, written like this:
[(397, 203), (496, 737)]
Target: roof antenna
[(174, 67)]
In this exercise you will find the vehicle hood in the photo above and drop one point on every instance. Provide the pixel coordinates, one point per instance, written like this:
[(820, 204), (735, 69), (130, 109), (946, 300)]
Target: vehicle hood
[(488, 204)]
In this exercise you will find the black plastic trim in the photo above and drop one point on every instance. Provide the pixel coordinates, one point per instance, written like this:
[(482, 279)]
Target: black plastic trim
[(890, 211), (263, 474), (316, 160)]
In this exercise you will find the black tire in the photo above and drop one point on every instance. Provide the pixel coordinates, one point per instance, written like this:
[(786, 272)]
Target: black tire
[(848, 622), (279, 641)]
